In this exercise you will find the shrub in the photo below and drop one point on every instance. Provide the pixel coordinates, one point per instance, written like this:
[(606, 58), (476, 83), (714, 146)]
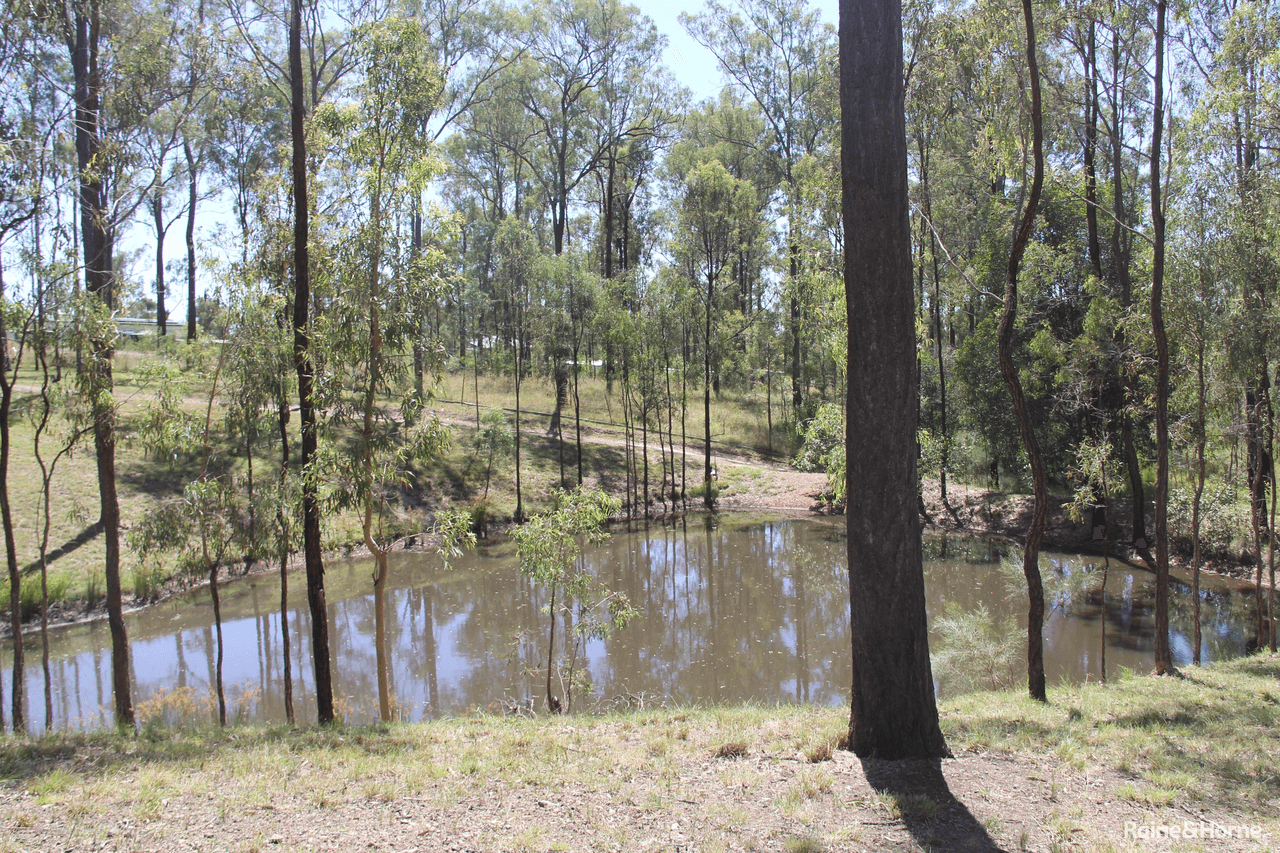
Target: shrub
[(1222, 520)]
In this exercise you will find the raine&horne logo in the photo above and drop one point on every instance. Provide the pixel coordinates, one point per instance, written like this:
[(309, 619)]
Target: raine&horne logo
[(1200, 830)]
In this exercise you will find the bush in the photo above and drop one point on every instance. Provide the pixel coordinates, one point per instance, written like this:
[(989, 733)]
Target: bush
[(1223, 521), (823, 448), (973, 652)]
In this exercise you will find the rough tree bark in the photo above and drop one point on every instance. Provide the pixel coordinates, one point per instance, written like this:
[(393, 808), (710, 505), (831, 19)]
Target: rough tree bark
[(893, 712)]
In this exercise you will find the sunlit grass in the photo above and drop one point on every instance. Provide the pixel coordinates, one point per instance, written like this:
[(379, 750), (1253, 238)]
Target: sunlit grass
[(1206, 740), (1209, 735)]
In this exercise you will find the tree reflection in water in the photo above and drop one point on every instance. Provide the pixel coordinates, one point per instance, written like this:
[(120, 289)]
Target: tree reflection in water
[(734, 609)]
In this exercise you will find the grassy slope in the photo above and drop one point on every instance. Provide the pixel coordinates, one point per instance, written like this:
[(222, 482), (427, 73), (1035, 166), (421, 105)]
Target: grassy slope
[(76, 543), (1209, 736), (1200, 744)]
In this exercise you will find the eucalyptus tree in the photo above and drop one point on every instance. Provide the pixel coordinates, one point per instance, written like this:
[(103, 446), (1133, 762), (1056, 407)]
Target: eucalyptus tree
[(779, 52), (378, 288), (735, 132), (20, 197), (573, 293), (118, 57), (517, 254), (1232, 47), (893, 713), (635, 112), (246, 135), (324, 30), (1030, 442), (574, 83), (1123, 92), (716, 215), (160, 141), (1163, 653)]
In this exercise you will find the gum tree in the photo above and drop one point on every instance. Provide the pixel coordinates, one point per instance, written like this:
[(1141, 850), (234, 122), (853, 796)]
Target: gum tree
[(893, 712)]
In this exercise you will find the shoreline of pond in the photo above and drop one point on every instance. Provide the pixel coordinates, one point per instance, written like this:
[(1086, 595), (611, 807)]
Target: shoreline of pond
[(969, 510)]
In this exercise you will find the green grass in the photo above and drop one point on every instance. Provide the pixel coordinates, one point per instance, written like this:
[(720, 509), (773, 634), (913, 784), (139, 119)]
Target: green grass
[(76, 545), (1208, 736), (1206, 740)]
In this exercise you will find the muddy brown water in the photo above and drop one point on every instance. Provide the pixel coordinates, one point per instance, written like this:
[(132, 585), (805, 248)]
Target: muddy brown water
[(733, 609)]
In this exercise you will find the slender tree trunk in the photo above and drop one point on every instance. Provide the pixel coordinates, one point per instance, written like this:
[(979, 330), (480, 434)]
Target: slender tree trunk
[(211, 563), (1031, 550), (373, 370), (19, 700), (1196, 558), (83, 41), (193, 177), (380, 633), (1271, 538), (306, 371), (684, 414), (46, 482), (577, 414), (282, 520), (707, 496), (797, 370), (553, 704), (519, 498), (1163, 653), (1091, 149), (893, 713), (157, 212)]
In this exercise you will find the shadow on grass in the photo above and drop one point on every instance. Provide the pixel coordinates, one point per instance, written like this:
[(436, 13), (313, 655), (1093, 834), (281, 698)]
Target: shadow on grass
[(928, 809), (70, 546)]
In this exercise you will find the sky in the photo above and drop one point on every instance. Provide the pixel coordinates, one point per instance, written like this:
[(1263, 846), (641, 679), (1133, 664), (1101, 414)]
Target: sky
[(692, 65)]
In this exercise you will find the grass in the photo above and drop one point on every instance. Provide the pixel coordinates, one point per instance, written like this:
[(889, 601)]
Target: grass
[(143, 482), (738, 417), (1205, 737), (1206, 740)]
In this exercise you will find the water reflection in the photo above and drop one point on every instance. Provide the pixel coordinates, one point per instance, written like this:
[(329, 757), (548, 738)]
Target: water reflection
[(733, 609)]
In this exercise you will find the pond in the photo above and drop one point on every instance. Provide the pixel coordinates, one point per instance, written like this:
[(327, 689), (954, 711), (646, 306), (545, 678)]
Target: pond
[(733, 609)]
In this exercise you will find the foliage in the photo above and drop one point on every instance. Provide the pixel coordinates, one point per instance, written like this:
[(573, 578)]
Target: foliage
[(1224, 519), (973, 652), (823, 448), (550, 549)]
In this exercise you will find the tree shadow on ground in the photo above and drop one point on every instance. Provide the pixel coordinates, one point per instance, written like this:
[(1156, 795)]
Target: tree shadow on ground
[(928, 809), (73, 544)]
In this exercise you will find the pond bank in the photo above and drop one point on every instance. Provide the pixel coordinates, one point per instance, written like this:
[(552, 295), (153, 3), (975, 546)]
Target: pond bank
[(753, 484), (1096, 762)]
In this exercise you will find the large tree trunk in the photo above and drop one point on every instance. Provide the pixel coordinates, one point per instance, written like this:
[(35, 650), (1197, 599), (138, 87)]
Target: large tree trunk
[(306, 370), (893, 712), (1008, 370)]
